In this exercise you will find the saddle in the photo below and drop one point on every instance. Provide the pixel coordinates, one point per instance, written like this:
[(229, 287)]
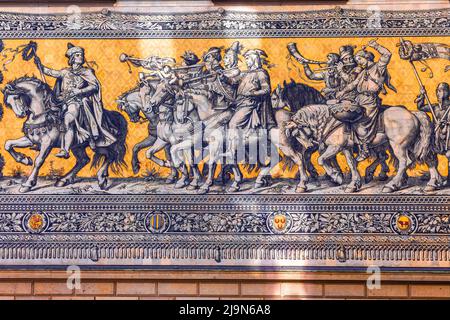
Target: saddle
[(348, 115)]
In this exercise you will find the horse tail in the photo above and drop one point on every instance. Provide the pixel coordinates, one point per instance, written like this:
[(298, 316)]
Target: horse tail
[(424, 144), (392, 159), (114, 153), (287, 164)]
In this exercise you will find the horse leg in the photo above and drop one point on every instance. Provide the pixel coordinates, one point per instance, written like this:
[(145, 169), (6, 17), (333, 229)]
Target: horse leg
[(147, 142), (310, 167), (184, 178), (436, 180), (384, 166), (82, 160), (265, 169), (173, 171), (23, 142), (330, 152), (299, 159), (189, 155), (333, 163), (400, 152), (355, 183), (370, 170), (215, 142), (196, 178), (157, 146), (103, 174), (38, 162)]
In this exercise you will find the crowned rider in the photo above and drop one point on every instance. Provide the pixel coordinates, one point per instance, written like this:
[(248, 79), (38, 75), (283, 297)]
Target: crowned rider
[(220, 87), (367, 86), (253, 106), (78, 92)]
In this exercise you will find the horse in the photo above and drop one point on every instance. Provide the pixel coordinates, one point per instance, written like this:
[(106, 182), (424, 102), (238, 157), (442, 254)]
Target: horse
[(212, 124), (286, 101), (170, 131), (407, 134), (31, 98), (131, 103), (215, 122)]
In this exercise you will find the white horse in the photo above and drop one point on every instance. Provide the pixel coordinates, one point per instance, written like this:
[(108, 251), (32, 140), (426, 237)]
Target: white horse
[(408, 134), (30, 98)]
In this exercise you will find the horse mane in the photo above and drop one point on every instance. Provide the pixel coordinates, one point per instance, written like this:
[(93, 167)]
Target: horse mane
[(40, 86), (136, 88), (315, 116), (201, 92), (299, 95)]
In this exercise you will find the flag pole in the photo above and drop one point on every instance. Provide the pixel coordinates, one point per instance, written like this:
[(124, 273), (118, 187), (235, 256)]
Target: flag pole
[(422, 89)]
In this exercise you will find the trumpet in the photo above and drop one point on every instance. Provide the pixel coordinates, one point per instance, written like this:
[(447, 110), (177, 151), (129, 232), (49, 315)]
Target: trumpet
[(140, 62), (333, 67), (136, 61)]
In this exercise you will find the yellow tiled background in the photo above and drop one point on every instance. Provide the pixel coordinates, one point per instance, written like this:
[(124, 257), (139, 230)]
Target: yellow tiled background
[(116, 79)]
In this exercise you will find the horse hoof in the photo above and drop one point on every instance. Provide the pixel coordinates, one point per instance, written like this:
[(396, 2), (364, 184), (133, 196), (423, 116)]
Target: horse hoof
[(258, 185), (300, 189), (202, 190), (103, 184), (382, 177), (61, 183), (233, 189), (170, 180), (24, 189), (429, 188), (387, 189), (180, 184), (368, 178), (350, 189), (192, 187), (27, 161), (338, 179)]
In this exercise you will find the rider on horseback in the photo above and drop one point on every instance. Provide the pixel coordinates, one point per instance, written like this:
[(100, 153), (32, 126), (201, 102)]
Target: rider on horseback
[(78, 91), (367, 86), (329, 76)]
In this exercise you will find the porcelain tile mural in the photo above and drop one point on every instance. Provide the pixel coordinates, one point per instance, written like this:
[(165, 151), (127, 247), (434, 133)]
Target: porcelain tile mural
[(225, 139)]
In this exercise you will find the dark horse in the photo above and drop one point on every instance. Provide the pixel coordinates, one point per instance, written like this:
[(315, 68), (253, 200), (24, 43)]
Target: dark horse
[(30, 98)]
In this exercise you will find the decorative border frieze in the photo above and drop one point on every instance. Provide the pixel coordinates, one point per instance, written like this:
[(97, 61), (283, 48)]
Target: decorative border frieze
[(225, 24)]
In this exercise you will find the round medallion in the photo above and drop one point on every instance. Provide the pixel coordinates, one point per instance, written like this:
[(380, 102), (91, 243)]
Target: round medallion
[(157, 222), (279, 222), (403, 223), (35, 222)]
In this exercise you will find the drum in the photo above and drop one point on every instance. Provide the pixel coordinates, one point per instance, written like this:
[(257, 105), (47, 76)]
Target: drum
[(346, 111)]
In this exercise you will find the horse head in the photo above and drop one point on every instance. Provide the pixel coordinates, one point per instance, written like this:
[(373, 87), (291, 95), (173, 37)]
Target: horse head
[(20, 94), (130, 103), (163, 93), (279, 100), (17, 99), (183, 107)]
